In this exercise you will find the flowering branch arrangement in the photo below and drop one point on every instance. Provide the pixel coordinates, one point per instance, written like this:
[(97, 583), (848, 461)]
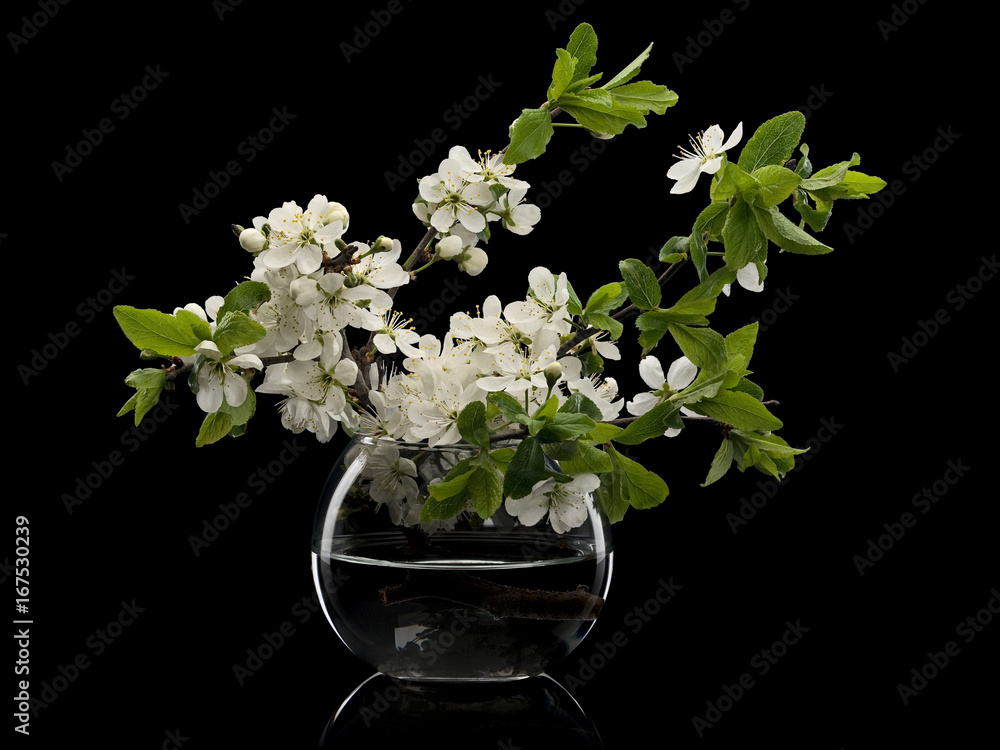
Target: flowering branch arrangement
[(523, 383)]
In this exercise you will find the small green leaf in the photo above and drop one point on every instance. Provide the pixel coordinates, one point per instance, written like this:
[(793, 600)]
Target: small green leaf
[(215, 427), (707, 226), (240, 415), (640, 281), (745, 242), (773, 142), (604, 433), (566, 425), (604, 299), (644, 488), (529, 136), (589, 460), (526, 468), (611, 122), (583, 46), (236, 329), (577, 403), (650, 425), (473, 426), (562, 74), (486, 490), (740, 410), (720, 463), (787, 235), (703, 346), (151, 329), (645, 96), (244, 298), (776, 184), (630, 71), (200, 328)]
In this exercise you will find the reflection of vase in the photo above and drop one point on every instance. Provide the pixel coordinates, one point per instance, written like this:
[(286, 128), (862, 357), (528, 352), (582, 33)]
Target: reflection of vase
[(462, 599), (533, 712)]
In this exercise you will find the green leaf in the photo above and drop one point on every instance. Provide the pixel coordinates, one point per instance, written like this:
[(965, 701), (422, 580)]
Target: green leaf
[(446, 498), (486, 490), (583, 46), (246, 297), (151, 377), (151, 329), (630, 71), (703, 346), (740, 410), (606, 323), (215, 427), (645, 96), (604, 299), (640, 281), (730, 180), (787, 235), (548, 409), (613, 498), (650, 425), (562, 74), (236, 329), (830, 176), (611, 122), (776, 184), (739, 347), (596, 99), (751, 388), (772, 444), (529, 136), (240, 415), (773, 142), (526, 468), (589, 460), (574, 306), (720, 463), (502, 457), (704, 386), (604, 433), (577, 403), (199, 327), (745, 242), (816, 218), (860, 185), (707, 226), (510, 407), (674, 247), (473, 426), (644, 488), (566, 425)]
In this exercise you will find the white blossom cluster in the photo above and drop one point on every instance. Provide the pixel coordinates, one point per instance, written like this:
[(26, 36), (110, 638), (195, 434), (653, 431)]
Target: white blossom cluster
[(321, 286), (463, 196)]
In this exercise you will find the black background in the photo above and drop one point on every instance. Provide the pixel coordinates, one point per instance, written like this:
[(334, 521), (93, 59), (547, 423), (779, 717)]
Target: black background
[(886, 92)]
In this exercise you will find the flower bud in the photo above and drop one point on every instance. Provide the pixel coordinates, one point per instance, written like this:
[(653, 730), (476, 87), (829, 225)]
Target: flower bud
[(450, 246), (384, 245), (252, 240), (473, 261), (552, 374), (337, 212)]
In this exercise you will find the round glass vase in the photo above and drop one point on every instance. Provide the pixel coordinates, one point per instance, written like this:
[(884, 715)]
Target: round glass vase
[(460, 599)]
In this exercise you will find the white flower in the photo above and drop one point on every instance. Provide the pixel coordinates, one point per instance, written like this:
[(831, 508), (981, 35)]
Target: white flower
[(681, 374), (392, 478), (749, 278), (566, 504), (457, 199), (217, 378), (520, 370), (518, 217), (547, 305), (395, 335), (380, 269), (705, 156), (487, 169), (298, 236)]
